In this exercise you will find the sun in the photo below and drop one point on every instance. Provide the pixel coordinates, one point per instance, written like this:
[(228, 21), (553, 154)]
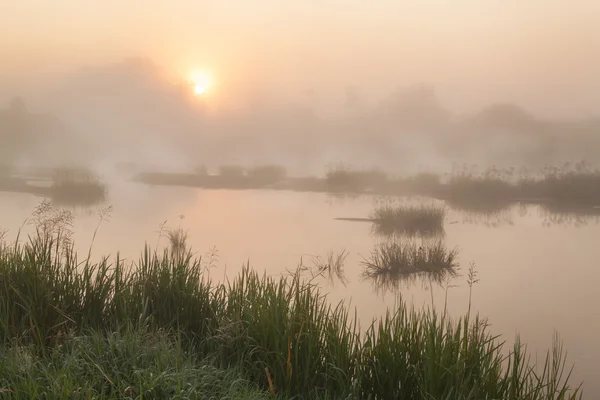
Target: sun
[(201, 82)]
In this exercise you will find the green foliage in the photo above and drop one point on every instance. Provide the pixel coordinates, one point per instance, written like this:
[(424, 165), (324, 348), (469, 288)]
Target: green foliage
[(132, 364)]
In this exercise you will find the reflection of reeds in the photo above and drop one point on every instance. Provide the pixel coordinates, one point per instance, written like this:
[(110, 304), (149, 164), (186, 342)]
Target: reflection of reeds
[(491, 217), (411, 220), (394, 262), (557, 214), (331, 266)]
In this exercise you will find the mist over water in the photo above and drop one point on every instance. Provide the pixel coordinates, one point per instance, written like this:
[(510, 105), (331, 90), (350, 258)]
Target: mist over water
[(273, 133), (129, 111)]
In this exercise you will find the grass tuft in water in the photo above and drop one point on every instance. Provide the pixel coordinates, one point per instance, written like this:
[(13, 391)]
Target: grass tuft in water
[(426, 220), (77, 187), (396, 261)]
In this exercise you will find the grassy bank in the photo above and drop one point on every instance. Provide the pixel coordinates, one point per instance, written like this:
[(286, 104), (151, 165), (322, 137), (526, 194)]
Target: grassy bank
[(158, 326)]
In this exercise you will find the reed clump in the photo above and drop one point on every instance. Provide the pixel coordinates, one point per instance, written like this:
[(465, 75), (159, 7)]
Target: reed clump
[(340, 178), (390, 218), (396, 261), (77, 187), (570, 184), (267, 174), (232, 171)]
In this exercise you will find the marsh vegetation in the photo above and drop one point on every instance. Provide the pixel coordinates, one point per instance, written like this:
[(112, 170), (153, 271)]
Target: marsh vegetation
[(391, 218), (398, 261), (466, 187), (170, 330), (77, 187)]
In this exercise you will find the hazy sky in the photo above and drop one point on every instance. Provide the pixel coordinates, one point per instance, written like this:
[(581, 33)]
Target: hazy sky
[(544, 54)]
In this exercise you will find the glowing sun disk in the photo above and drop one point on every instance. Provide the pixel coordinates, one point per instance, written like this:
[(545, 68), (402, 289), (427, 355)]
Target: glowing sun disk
[(201, 82)]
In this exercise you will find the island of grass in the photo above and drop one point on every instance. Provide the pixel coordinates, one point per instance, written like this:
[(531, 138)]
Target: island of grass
[(67, 186), (159, 327), (410, 220), (569, 185), (77, 187), (397, 261)]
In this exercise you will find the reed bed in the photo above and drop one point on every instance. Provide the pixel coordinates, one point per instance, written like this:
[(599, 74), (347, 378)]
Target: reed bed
[(411, 220), (343, 178), (396, 261), (267, 174), (148, 328), (77, 187)]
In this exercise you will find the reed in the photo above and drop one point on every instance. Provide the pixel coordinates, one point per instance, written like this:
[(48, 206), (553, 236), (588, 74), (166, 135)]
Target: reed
[(390, 218), (72, 187), (394, 262)]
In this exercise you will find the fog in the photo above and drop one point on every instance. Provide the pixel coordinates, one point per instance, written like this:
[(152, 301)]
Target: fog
[(394, 85), (280, 131)]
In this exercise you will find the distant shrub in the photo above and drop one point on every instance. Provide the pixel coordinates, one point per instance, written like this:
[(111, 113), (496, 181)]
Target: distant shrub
[(201, 170), (77, 186), (5, 171), (342, 177), (232, 171), (267, 173)]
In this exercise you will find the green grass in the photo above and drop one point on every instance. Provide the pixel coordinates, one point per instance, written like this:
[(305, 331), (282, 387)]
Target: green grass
[(132, 364), (160, 327), (427, 220)]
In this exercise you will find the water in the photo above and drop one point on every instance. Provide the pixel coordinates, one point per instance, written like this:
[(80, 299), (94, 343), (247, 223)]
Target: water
[(538, 274)]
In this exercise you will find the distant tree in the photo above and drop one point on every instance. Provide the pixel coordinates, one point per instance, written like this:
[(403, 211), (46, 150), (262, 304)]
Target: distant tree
[(416, 105), (505, 116), (17, 106), (353, 99)]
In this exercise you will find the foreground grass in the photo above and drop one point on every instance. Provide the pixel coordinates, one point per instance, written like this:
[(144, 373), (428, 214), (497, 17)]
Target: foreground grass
[(129, 364), (71, 326)]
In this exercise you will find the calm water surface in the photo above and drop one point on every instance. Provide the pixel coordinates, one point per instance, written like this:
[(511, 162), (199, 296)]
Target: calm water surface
[(537, 274)]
